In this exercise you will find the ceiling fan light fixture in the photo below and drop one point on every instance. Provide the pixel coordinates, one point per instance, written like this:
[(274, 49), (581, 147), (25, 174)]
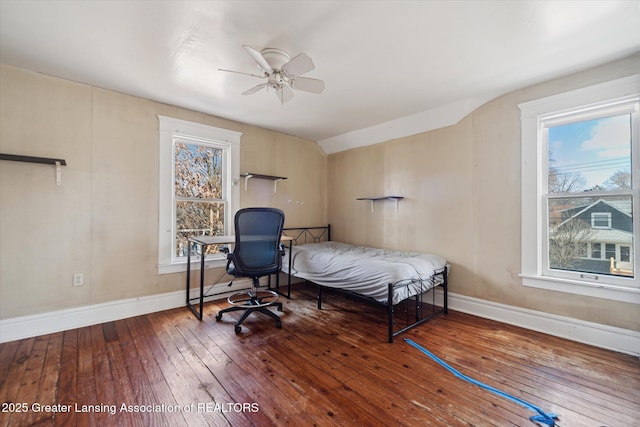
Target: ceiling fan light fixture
[(282, 72), (275, 57)]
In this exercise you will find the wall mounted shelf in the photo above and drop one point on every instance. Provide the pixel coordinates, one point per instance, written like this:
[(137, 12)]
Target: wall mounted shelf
[(43, 160), (273, 178), (379, 198)]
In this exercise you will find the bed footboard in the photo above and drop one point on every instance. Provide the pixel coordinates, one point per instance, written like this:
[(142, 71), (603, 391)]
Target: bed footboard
[(416, 309)]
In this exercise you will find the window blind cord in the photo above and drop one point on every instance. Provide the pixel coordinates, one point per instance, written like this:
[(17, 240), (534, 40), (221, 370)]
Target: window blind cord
[(542, 417)]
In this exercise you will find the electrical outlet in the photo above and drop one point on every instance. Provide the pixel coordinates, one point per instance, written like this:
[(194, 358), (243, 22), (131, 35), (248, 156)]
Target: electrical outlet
[(78, 279)]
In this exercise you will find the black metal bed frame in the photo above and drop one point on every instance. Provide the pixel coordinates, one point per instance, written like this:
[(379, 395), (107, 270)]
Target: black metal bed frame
[(414, 310)]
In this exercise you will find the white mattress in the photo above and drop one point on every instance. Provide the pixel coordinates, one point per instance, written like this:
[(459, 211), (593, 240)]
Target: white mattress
[(366, 271)]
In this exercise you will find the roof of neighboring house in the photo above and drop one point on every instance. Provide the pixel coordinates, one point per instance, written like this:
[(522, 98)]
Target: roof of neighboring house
[(603, 235), (622, 205), (611, 236)]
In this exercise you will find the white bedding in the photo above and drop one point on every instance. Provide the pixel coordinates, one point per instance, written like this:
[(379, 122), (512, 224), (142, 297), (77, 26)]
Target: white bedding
[(366, 271)]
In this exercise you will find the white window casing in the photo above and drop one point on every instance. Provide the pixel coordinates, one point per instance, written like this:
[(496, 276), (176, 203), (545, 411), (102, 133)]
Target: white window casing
[(603, 99), (170, 130)]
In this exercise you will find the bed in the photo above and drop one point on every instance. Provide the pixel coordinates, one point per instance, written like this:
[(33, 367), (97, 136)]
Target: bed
[(403, 282)]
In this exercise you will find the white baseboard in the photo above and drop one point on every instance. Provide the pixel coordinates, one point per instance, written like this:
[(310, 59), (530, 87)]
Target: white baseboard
[(62, 320), (608, 337), (603, 336)]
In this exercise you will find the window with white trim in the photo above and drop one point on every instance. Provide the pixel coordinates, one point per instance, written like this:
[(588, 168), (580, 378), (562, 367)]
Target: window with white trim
[(198, 194), (601, 220), (580, 190)]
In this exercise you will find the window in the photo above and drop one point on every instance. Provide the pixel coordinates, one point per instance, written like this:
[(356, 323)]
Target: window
[(610, 252), (600, 220), (580, 191), (200, 201), (625, 253), (199, 173)]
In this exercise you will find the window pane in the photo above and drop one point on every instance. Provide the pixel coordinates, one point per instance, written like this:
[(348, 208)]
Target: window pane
[(625, 253), (198, 219), (198, 171), (600, 220), (610, 250), (573, 226), (590, 155)]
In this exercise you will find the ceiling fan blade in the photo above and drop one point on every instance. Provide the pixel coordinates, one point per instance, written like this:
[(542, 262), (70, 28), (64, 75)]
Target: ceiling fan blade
[(308, 85), (240, 72), (298, 65), (255, 89), (284, 93), (257, 56)]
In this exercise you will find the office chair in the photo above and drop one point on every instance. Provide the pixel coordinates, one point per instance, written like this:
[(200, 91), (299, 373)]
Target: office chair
[(257, 253)]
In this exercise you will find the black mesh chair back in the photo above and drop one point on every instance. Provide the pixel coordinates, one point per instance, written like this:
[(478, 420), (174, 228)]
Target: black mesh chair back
[(257, 250), (257, 253)]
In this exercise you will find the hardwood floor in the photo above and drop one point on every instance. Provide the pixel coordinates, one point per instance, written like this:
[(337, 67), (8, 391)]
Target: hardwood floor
[(324, 367)]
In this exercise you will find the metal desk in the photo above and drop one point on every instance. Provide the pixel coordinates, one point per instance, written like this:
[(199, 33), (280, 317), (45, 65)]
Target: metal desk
[(203, 242)]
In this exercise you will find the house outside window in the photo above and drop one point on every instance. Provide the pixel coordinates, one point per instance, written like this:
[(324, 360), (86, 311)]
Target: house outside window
[(580, 154), (198, 194)]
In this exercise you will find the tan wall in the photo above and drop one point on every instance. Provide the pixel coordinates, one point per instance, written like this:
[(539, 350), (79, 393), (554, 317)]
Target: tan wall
[(103, 219), (462, 200)]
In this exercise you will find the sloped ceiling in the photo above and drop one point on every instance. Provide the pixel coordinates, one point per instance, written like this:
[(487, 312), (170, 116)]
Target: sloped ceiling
[(391, 68)]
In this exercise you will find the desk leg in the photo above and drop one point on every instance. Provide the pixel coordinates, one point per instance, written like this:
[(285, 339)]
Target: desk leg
[(202, 256), (188, 273), (191, 306), (289, 275)]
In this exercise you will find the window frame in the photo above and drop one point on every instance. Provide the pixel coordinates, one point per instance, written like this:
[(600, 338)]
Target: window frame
[(170, 131), (534, 166)]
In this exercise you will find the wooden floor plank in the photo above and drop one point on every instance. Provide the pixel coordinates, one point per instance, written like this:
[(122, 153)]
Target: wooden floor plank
[(13, 378), (124, 389), (30, 384), (86, 379), (104, 381), (68, 379), (322, 368)]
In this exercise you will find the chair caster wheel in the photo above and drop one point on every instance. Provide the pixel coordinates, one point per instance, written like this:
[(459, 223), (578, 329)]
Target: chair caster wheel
[(238, 329), (278, 325), (218, 317)]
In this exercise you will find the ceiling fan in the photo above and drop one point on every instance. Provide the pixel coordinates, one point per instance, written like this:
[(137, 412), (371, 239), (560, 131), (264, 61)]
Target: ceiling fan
[(282, 73)]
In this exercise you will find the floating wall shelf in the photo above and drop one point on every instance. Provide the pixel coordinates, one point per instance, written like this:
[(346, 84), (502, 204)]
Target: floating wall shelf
[(378, 198), (250, 175), (44, 160)]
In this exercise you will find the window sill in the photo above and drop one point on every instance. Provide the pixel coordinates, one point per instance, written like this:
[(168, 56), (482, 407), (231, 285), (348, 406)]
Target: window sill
[(611, 292), (181, 267)]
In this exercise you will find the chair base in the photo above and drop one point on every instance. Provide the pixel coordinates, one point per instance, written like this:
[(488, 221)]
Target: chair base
[(253, 301)]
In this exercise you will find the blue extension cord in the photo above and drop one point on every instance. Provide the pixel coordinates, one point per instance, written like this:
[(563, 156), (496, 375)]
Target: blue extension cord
[(542, 417)]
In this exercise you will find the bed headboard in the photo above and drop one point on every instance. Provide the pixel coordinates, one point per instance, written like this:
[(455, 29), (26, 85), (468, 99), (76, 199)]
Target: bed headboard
[(302, 235)]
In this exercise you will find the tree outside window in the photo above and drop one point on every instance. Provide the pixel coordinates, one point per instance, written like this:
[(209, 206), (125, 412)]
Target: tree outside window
[(199, 198)]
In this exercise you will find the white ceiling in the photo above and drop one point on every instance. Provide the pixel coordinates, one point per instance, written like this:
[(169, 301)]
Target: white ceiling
[(391, 68)]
